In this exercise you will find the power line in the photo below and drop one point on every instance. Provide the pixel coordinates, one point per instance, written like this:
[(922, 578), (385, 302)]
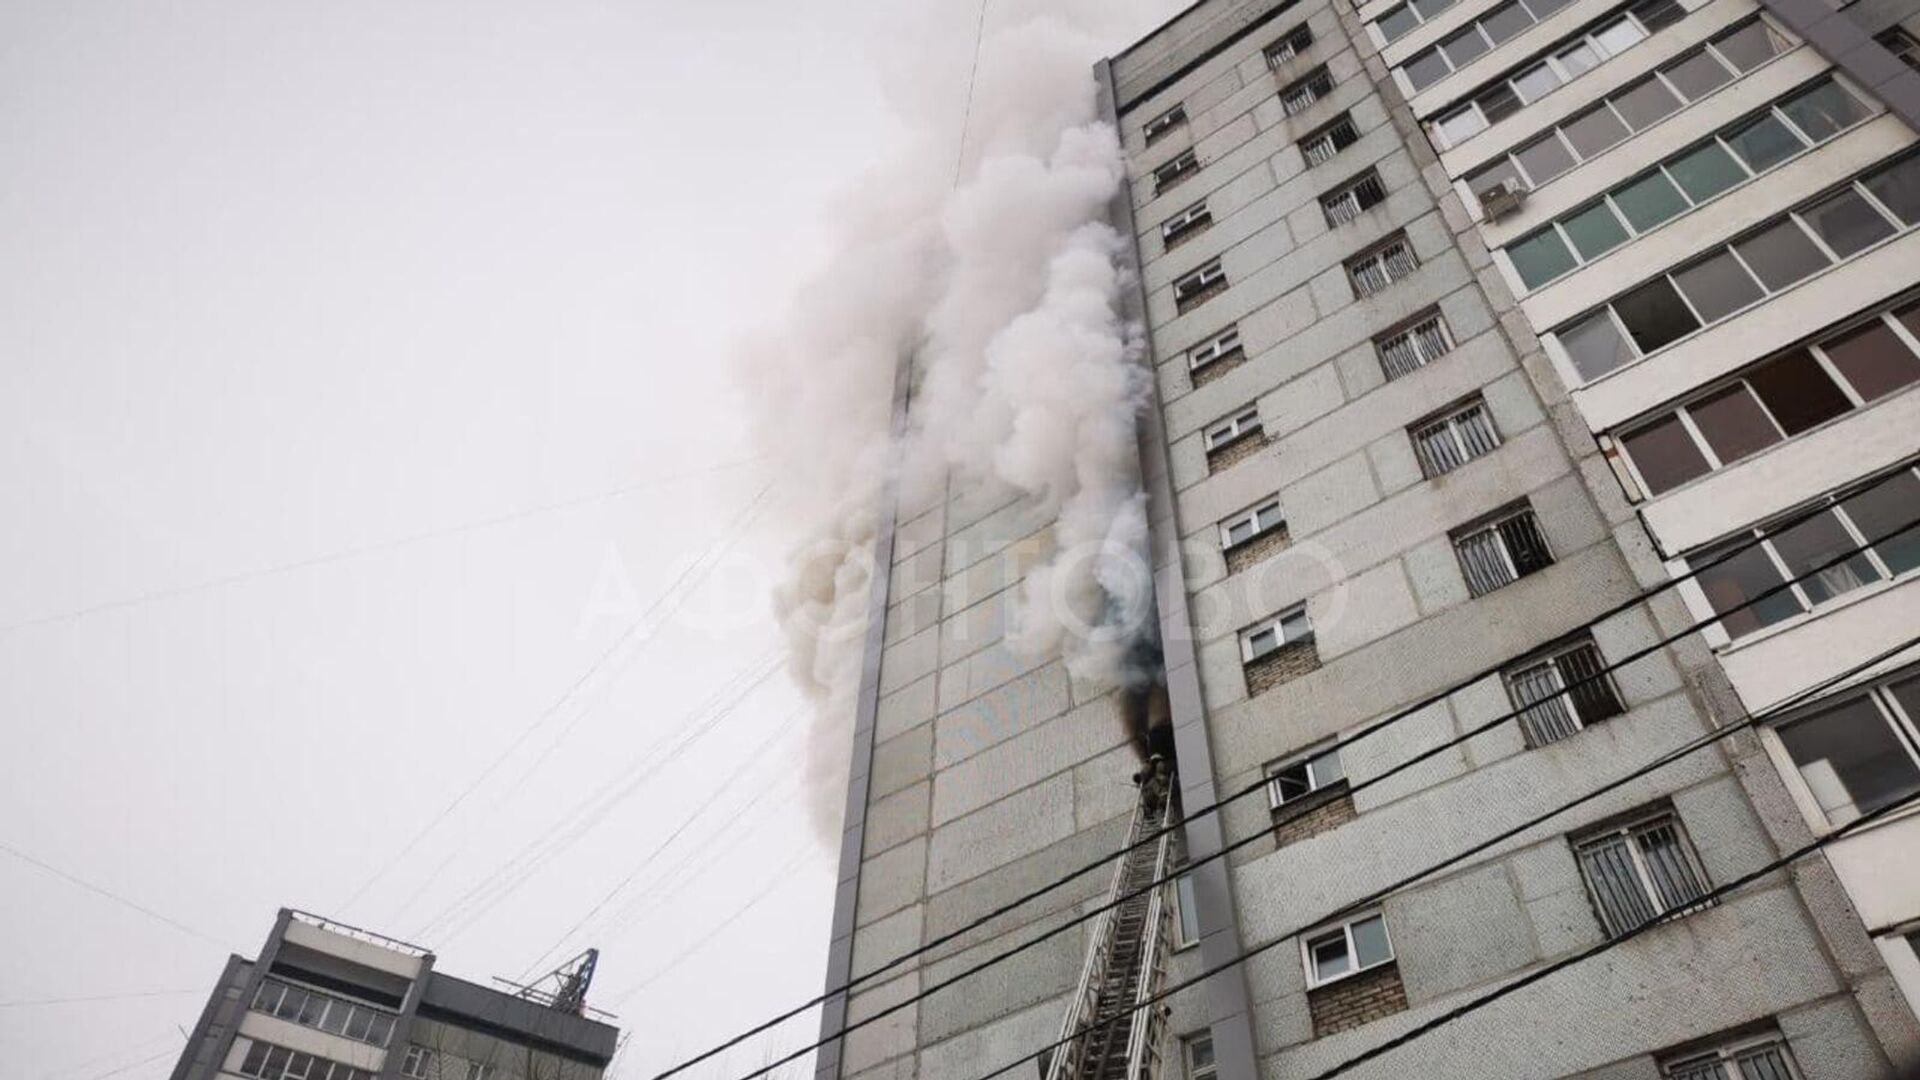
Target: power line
[(368, 549), (167, 1053), (973, 72), (779, 879), (558, 703), (34, 1002), (101, 890), (1087, 915), (1788, 703), (1781, 525)]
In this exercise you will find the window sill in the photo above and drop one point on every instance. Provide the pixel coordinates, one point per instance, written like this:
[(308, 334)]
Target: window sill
[(1336, 980), (1827, 827)]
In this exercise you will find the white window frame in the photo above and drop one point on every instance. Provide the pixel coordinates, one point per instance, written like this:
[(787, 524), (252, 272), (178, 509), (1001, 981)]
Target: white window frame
[(479, 1071), (1264, 518), (418, 1061), (1178, 168), (1184, 904), (1726, 1057), (1300, 95), (1244, 422), (1277, 626), (1158, 127), (1205, 1072), (1216, 348), (1310, 147), (1380, 36), (1344, 928), (1345, 204), (1318, 778), (1906, 729), (1552, 662), (1208, 275), (1491, 527), (1186, 221)]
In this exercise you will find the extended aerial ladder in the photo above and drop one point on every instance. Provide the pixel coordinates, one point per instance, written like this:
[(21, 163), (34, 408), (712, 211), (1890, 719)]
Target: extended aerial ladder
[(1106, 1034)]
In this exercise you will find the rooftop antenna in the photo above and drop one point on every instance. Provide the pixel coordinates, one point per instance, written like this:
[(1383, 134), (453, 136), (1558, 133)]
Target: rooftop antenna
[(564, 989)]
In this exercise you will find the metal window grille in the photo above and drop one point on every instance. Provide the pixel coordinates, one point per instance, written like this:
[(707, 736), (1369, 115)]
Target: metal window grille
[(1199, 281), (1451, 441), (1766, 1062), (1502, 553), (1336, 137), (1289, 47), (1414, 348), (1348, 203), (1641, 873), (1382, 268), (1186, 221), (1296, 98), (1174, 171), (1165, 122), (1562, 694)]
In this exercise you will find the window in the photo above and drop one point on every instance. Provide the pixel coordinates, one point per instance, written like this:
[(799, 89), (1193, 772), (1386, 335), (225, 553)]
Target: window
[(1502, 551), (1243, 423), (1185, 223), (418, 1061), (1534, 79), (1902, 45), (1199, 285), (1264, 639), (1451, 441), (327, 1012), (1635, 107), (1348, 949), (1561, 693), (1319, 147), (1293, 44), (1298, 96), (1719, 283), (1303, 776), (1245, 526), (269, 1062), (477, 1071), (1858, 755), (1776, 399), (1750, 46), (1197, 1050), (1163, 125), (1753, 1057), (1397, 21), (1873, 524), (1641, 872), (1170, 174), (1222, 345), (1405, 351), (1352, 200), (1381, 267), (1187, 913)]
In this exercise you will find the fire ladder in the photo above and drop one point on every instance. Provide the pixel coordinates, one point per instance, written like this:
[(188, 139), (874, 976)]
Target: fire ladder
[(1126, 965)]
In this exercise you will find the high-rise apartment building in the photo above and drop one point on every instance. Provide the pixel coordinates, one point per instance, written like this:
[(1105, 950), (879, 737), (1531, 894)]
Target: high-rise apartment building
[(325, 1001), (1497, 343)]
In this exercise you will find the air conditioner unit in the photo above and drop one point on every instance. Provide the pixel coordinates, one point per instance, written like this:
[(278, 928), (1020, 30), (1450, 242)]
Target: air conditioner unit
[(1502, 199)]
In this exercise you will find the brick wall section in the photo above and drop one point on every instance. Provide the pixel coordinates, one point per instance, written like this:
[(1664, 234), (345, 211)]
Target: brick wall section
[(1236, 452), (1358, 1000), (1202, 296), (1203, 376), (1313, 815), (1282, 665), (1248, 552)]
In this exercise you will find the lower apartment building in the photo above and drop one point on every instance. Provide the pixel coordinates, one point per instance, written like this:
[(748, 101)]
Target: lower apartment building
[(325, 1001), (1499, 345)]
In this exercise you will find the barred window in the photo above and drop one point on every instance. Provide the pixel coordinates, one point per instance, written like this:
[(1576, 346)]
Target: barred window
[(1641, 872), (1352, 200), (1562, 693), (1451, 441), (1406, 351), (1501, 551), (1293, 44), (1171, 173), (1319, 147), (1299, 95), (1382, 267), (1752, 1057), (1164, 124)]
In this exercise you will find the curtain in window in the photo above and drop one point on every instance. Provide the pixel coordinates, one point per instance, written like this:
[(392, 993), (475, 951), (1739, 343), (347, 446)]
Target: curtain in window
[(1674, 881), (1547, 718), (1617, 889)]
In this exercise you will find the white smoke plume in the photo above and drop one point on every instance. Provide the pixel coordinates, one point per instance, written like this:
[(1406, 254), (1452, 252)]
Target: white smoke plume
[(1004, 287)]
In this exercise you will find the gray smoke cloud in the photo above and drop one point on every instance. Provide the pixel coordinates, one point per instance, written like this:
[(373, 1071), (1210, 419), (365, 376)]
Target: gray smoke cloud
[(1004, 287)]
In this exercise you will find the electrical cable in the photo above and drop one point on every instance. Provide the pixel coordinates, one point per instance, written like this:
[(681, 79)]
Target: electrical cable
[(1780, 525), (34, 1002), (779, 878), (369, 549), (1790, 702), (111, 895), (558, 703)]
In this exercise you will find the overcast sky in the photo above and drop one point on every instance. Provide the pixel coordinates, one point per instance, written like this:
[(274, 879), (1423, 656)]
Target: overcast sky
[(365, 416)]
